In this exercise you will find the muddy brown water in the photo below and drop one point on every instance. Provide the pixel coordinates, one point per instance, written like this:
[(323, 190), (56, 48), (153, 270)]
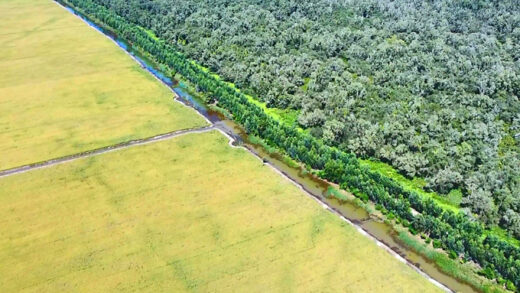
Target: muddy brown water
[(314, 186)]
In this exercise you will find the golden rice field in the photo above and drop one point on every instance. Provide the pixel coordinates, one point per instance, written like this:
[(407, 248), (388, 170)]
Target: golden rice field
[(65, 88), (186, 214)]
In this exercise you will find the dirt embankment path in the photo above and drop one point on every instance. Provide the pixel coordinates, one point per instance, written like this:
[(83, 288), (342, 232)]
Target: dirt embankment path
[(95, 152)]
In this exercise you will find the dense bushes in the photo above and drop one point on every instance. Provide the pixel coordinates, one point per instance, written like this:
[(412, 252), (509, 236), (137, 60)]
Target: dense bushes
[(455, 233)]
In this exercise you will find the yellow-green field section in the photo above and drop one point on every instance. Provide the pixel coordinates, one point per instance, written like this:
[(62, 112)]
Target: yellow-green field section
[(186, 214), (65, 88)]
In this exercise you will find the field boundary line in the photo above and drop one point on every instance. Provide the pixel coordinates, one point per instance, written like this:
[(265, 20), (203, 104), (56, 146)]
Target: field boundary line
[(102, 150)]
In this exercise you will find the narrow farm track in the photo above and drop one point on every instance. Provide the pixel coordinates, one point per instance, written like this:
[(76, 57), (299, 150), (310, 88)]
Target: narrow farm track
[(95, 152)]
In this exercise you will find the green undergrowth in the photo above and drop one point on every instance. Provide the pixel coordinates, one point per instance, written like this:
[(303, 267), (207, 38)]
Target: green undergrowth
[(305, 85), (150, 33), (449, 202), (287, 116), (502, 234), (466, 272), (337, 194)]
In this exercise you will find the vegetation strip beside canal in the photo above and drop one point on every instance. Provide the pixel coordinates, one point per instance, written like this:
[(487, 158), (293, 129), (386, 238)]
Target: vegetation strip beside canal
[(455, 233)]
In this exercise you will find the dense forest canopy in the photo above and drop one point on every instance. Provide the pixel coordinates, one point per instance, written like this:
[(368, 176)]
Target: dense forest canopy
[(432, 87)]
